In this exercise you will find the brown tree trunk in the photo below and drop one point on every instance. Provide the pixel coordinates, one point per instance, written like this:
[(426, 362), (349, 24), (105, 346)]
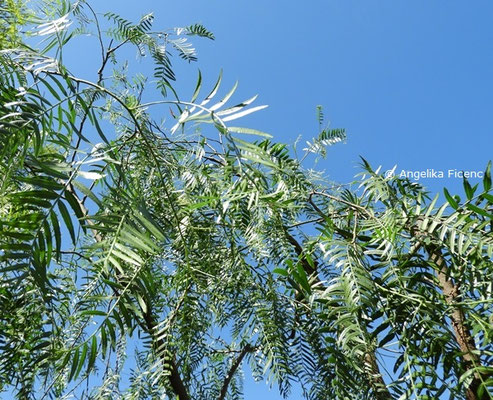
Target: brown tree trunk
[(462, 334), (375, 378)]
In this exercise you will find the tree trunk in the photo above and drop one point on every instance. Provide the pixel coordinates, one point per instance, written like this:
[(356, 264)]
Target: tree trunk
[(462, 334)]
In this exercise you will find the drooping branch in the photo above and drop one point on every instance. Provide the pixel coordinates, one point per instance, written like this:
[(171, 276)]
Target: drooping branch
[(148, 324), (373, 373)]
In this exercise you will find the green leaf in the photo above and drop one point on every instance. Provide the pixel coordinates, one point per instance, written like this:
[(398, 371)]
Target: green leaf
[(488, 197), (93, 353), (74, 204), (68, 221), (214, 89), (57, 234), (104, 341), (48, 240), (53, 92), (16, 247), (468, 189), (480, 211), (199, 30), (197, 88), (98, 128), (145, 218), (249, 131), (487, 178), (301, 278), (88, 192), (94, 313), (280, 271), (142, 303), (82, 360), (54, 169), (138, 240), (450, 199), (111, 330), (118, 320), (75, 364)]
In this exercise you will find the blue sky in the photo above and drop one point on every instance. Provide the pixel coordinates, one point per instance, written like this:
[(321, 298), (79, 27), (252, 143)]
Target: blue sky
[(409, 81)]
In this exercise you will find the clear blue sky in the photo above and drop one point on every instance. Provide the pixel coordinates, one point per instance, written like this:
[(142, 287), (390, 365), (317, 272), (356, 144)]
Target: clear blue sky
[(411, 81)]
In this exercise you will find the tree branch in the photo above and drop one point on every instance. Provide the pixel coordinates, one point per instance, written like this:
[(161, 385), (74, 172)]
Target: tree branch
[(373, 373), (224, 389), (175, 380), (148, 325), (309, 270)]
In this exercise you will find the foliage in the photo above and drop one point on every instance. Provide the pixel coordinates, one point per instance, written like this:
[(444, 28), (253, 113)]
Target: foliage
[(12, 15), (132, 245)]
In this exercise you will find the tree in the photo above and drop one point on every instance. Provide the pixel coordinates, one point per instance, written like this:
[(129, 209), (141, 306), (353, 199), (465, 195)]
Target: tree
[(412, 284), (133, 243)]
